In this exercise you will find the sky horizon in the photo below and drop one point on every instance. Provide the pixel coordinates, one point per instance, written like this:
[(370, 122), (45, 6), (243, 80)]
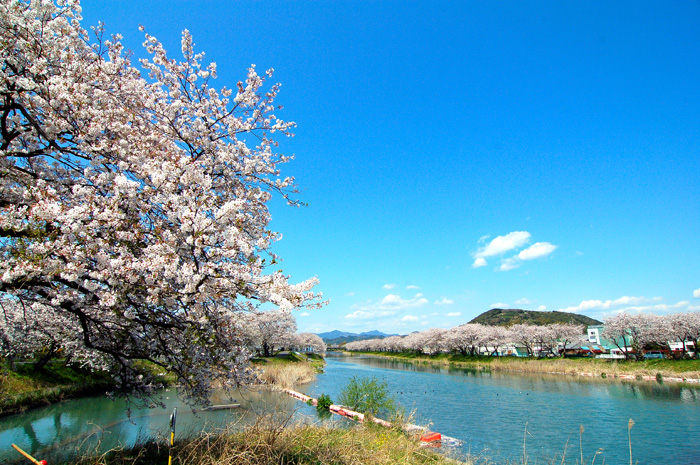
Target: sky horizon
[(461, 156)]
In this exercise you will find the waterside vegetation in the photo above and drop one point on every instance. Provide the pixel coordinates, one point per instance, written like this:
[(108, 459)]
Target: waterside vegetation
[(659, 369), (273, 442), (28, 386)]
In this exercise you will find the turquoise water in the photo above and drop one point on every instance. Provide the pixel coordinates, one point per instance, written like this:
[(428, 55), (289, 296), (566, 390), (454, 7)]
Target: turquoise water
[(494, 414), (83, 426)]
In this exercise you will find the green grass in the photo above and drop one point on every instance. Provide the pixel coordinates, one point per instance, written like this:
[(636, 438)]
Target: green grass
[(689, 369), (27, 387)]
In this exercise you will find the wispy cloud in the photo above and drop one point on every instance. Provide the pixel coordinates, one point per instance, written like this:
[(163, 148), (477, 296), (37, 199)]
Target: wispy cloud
[(537, 250), (366, 315), (444, 302), (410, 318), (696, 293), (524, 301), (304, 314), (627, 304), (500, 245), (500, 305), (454, 314), (510, 243), (411, 287), (392, 302), (389, 286)]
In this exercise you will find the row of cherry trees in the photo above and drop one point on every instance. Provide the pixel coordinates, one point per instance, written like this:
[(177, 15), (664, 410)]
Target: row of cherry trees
[(632, 333), (24, 336), (134, 220), (475, 338)]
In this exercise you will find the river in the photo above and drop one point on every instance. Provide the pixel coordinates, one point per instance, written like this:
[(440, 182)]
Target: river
[(496, 415)]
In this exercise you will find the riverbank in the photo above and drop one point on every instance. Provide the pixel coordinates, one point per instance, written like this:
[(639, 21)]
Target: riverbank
[(289, 369), (29, 387), (273, 442), (650, 370)]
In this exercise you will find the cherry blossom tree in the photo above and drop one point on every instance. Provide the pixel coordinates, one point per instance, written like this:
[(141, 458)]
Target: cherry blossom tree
[(465, 338), (310, 341), (566, 333), (134, 209), (631, 333), (685, 327), (271, 330)]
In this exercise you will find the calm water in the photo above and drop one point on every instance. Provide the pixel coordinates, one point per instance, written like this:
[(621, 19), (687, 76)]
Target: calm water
[(492, 413), (82, 426)]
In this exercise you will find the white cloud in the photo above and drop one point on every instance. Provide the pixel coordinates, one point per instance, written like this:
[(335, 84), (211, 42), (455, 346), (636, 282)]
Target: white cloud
[(537, 250), (392, 302), (500, 305), (410, 318), (455, 314), (304, 314), (389, 286), (365, 315), (524, 301), (444, 302), (479, 262), (509, 264), (604, 305), (350, 294), (503, 244), (411, 286), (627, 304), (696, 293), (542, 308)]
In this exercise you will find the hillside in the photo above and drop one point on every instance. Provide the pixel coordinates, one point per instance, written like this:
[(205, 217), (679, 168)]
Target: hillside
[(507, 317), (334, 338)]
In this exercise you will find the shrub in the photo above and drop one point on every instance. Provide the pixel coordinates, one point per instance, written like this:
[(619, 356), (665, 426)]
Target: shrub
[(368, 395), (324, 402)]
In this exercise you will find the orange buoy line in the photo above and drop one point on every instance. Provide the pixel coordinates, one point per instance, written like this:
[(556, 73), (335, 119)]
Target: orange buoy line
[(428, 438)]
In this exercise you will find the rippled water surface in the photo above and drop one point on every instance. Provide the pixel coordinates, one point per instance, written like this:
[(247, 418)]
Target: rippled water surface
[(496, 415)]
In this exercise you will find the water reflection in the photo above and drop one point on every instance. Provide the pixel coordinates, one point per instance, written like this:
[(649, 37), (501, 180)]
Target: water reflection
[(84, 426), (492, 412)]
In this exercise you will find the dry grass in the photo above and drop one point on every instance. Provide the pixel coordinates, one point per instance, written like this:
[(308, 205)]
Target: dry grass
[(274, 442), (286, 375)]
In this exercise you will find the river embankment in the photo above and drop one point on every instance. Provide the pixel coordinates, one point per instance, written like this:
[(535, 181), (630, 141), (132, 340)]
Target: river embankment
[(645, 370)]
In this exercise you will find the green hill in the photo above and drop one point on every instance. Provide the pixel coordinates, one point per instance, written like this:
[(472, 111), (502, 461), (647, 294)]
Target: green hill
[(507, 317)]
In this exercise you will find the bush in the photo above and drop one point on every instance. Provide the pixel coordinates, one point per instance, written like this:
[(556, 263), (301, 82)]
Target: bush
[(368, 395), (324, 402)]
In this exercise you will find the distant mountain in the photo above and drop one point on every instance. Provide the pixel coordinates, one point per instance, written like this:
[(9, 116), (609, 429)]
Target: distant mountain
[(335, 334), (507, 317), (334, 338)]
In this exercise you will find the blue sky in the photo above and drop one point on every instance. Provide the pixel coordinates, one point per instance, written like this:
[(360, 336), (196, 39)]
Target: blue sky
[(459, 156)]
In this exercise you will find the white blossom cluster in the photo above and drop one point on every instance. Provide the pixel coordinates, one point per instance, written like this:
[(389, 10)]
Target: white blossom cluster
[(631, 333), (475, 338), (133, 202)]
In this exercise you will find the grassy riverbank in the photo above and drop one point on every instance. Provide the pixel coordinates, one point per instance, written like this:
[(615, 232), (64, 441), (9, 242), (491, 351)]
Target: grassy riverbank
[(27, 387), (273, 443), (654, 368), (290, 369)]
